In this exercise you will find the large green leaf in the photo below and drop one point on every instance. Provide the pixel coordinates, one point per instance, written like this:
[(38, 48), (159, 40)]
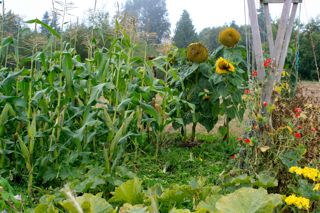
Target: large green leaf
[(128, 208), (248, 200), (89, 204), (150, 110), (128, 192), (209, 204), (97, 90), (291, 158), (51, 30)]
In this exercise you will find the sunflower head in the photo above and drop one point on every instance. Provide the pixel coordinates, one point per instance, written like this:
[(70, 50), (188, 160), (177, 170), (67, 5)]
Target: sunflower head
[(197, 52), (223, 66), (229, 37)]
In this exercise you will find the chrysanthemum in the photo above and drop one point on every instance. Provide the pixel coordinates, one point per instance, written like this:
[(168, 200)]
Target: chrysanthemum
[(306, 172), (197, 52), (299, 202), (224, 67), (229, 37)]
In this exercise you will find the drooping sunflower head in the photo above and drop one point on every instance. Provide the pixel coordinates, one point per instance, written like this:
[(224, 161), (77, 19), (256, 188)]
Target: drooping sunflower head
[(223, 66), (229, 37), (197, 52)]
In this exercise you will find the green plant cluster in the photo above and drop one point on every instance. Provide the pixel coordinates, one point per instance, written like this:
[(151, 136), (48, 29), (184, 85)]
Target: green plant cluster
[(197, 196)]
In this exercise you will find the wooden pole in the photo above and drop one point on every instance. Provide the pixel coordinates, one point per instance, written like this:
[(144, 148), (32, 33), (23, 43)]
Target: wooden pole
[(269, 28), (281, 32), (256, 39), (286, 43)]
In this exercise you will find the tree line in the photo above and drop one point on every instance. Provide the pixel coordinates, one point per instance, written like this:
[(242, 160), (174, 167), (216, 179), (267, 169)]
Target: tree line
[(147, 24)]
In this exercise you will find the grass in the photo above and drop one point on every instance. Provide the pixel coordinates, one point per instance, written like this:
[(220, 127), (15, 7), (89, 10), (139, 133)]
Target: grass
[(178, 164)]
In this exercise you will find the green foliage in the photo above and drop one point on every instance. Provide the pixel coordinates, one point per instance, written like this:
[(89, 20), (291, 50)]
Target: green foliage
[(89, 203), (178, 198), (212, 94), (185, 33), (309, 37), (8, 199), (44, 25), (128, 192), (248, 200), (292, 157)]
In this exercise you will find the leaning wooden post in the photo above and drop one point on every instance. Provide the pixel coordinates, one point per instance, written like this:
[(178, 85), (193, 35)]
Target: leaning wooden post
[(269, 28), (286, 42), (256, 39)]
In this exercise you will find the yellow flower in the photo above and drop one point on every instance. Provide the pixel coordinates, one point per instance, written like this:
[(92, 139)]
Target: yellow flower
[(310, 173), (278, 89), (224, 67), (299, 202), (316, 187), (284, 73), (197, 52), (229, 37), (307, 172), (295, 169)]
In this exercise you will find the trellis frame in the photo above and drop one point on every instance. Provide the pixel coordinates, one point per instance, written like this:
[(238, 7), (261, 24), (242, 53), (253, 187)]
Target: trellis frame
[(278, 48)]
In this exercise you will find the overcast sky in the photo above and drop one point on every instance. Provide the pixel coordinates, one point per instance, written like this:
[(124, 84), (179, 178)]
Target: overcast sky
[(204, 13)]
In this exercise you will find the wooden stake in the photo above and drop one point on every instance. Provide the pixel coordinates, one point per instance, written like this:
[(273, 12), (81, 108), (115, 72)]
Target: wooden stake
[(256, 39), (269, 28), (286, 43)]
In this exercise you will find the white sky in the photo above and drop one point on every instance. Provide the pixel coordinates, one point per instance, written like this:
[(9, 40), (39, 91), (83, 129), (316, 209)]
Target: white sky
[(204, 13)]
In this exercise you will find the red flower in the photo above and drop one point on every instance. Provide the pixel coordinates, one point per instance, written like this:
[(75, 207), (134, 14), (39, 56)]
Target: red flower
[(233, 156), (247, 140), (299, 127), (267, 62), (265, 103), (254, 73), (246, 91), (313, 129), (298, 110), (297, 135)]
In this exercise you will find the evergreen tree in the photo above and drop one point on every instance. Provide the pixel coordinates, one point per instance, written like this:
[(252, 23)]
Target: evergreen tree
[(46, 20), (185, 32), (152, 16), (54, 24)]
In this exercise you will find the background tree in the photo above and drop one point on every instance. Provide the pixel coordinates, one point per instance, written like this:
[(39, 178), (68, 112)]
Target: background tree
[(13, 23), (54, 23), (185, 32), (309, 37), (46, 20), (152, 16)]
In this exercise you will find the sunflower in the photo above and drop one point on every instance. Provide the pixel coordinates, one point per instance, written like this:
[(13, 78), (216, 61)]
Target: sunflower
[(223, 66), (229, 37), (197, 52)]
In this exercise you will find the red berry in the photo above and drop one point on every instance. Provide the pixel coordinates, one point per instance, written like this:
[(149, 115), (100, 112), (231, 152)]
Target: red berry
[(254, 73), (267, 62), (246, 91), (247, 140), (297, 135), (299, 127), (297, 115), (298, 110), (265, 103)]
